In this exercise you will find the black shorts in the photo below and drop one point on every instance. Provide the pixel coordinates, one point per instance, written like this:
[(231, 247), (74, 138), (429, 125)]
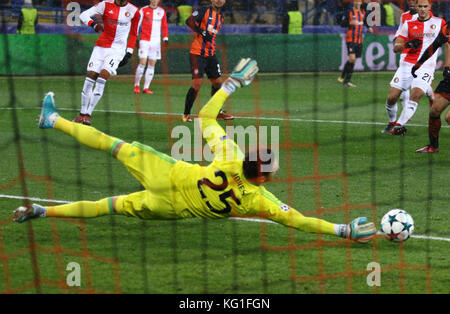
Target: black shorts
[(443, 89), (354, 48), (201, 65)]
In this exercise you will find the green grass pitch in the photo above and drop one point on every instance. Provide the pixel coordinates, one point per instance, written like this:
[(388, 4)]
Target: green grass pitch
[(119, 254)]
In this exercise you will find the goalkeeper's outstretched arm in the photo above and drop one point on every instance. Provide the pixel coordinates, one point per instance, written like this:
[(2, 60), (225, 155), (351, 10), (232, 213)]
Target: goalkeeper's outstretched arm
[(269, 207)]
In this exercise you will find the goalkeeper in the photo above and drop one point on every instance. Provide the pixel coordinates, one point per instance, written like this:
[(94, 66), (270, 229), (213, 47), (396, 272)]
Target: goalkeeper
[(231, 186)]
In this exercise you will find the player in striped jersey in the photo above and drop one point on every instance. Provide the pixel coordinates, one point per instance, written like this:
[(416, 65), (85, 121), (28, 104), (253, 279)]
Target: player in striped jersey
[(355, 21), (409, 15), (416, 35), (230, 186), (153, 24), (206, 24), (442, 91), (113, 48)]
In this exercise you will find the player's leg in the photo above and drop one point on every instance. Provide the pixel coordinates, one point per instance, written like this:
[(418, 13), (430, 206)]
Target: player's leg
[(140, 69), (434, 124), (447, 115), (154, 56), (392, 108), (353, 51), (350, 65), (86, 94), (93, 71), (214, 75), (109, 67), (430, 94), (408, 110), (419, 87), (82, 209), (198, 64), (149, 76), (85, 135), (405, 97), (148, 205), (350, 50)]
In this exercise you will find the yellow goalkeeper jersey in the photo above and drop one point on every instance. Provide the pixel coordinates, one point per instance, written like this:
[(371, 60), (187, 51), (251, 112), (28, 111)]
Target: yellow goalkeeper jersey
[(221, 190)]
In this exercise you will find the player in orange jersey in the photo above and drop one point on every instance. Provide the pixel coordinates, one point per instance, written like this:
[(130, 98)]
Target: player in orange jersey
[(206, 23), (355, 22)]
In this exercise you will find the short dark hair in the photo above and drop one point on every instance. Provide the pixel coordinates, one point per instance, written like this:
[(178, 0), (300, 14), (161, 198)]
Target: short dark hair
[(254, 162)]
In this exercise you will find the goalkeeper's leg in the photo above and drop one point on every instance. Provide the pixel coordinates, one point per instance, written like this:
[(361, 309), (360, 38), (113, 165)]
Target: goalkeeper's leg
[(85, 135), (82, 209), (89, 136)]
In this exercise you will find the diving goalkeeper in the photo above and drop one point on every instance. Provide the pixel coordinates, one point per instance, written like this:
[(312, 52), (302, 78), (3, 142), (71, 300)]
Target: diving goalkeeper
[(231, 186)]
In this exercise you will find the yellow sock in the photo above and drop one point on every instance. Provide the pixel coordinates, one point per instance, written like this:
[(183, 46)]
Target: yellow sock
[(83, 209), (87, 135)]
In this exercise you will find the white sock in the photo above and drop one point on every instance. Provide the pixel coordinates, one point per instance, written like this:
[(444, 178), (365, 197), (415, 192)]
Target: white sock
[(86, 94), (391, 112), (139, 72), (407, 112), (405, 98), (149, 76), (96, 95)]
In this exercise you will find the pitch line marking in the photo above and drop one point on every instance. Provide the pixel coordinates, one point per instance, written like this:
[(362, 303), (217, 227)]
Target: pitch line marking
[(239, 117), (37, 199)]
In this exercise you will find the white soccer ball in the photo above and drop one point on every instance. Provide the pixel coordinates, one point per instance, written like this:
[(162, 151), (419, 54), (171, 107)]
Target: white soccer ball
[(397, 225)]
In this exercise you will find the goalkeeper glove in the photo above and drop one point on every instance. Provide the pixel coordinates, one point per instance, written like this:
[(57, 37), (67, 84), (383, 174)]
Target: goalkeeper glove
[(125, 59), (244, 72), (414, 43), (360, 230)]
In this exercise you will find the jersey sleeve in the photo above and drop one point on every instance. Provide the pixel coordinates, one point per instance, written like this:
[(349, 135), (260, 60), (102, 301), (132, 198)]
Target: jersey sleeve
[(132, 37), (403, 32), (397, 33), (267, 206), (164, 27), (86, 16), (194, 21), (403, 19)]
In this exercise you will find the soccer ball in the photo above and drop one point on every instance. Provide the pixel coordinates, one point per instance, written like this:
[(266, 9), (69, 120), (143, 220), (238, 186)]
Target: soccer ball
[(397, 225)]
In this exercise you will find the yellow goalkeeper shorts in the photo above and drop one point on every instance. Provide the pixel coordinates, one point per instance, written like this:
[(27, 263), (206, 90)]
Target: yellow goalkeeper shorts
[(153, 169)]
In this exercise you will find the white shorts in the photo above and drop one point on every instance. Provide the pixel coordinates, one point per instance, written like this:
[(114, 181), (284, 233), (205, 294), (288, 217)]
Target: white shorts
[(105, 59), (404, 80), (149, 49)]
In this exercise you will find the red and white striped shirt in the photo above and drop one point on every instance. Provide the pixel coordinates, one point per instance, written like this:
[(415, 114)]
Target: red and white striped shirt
[(153, 22), (119, 23), (427, 31), (406, 16)]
